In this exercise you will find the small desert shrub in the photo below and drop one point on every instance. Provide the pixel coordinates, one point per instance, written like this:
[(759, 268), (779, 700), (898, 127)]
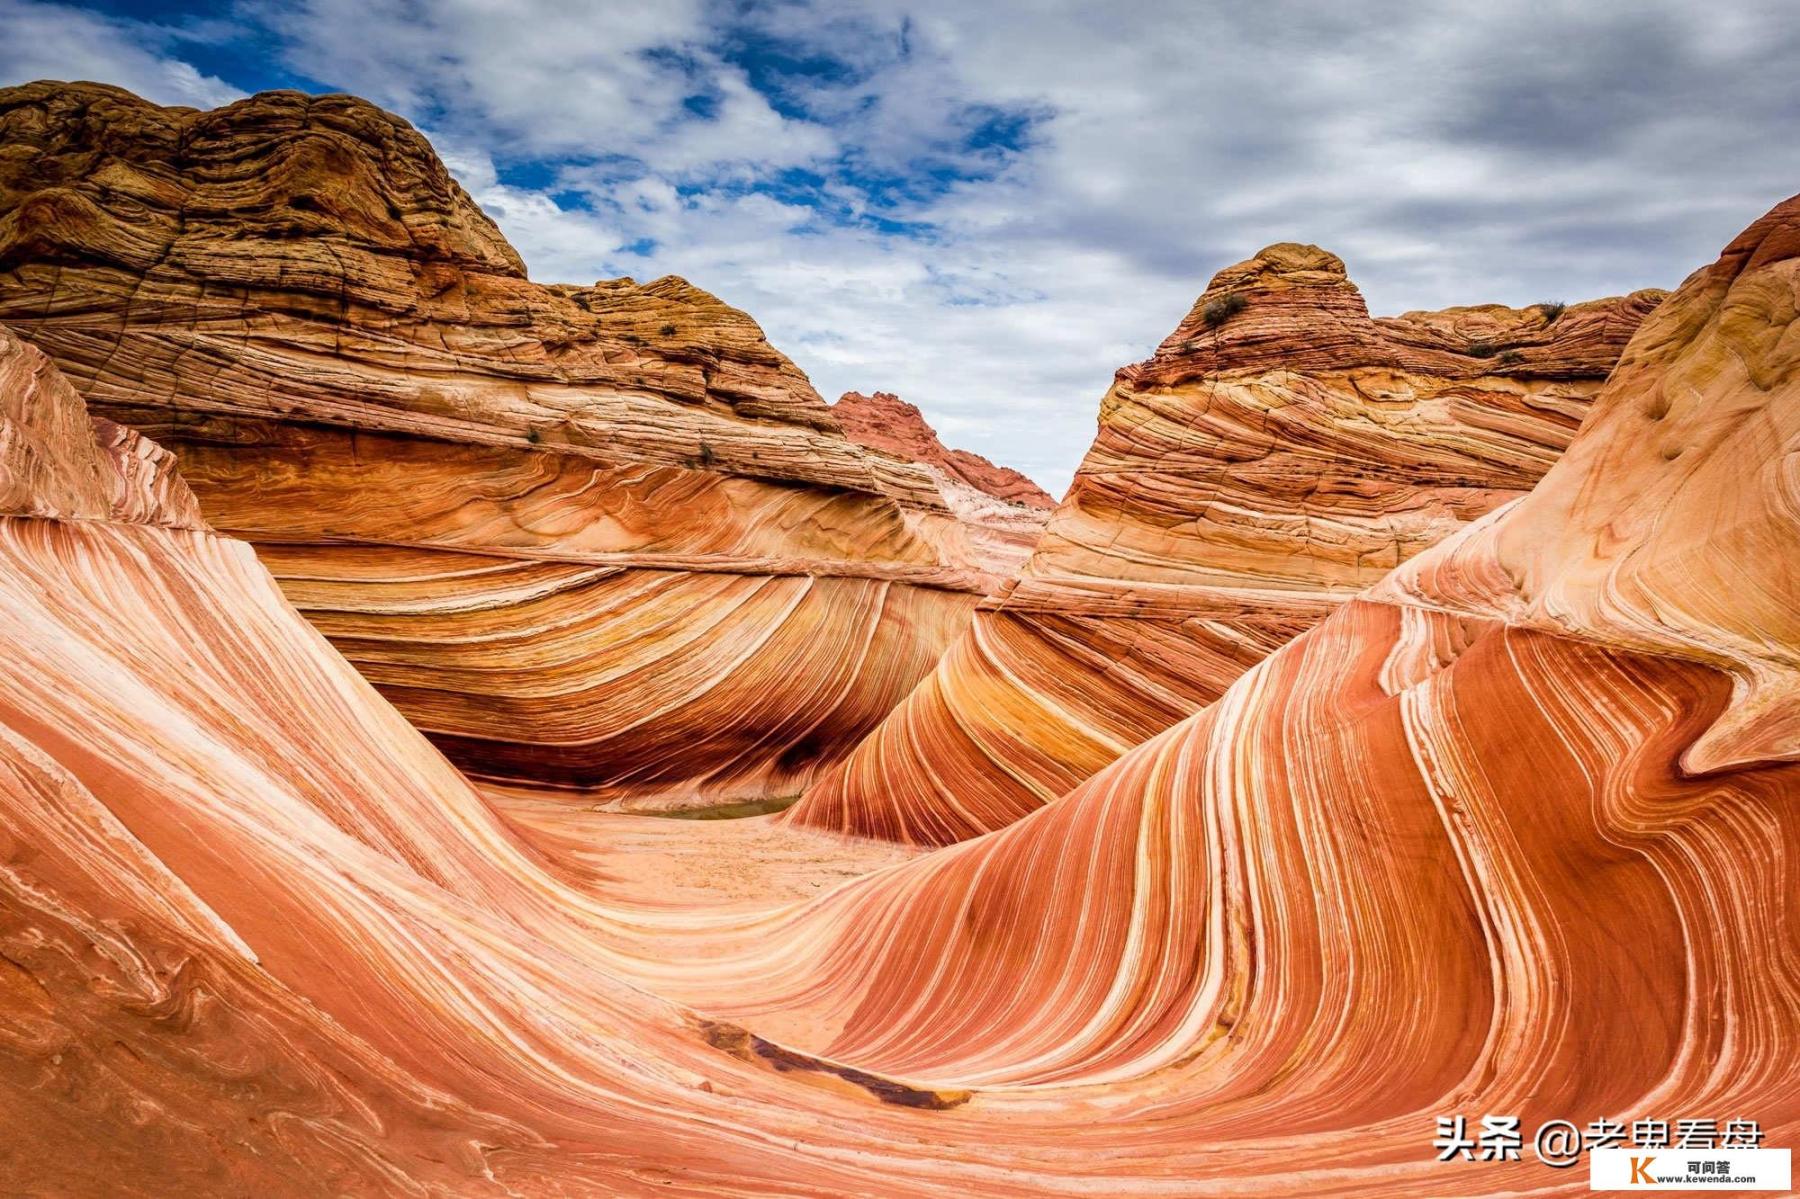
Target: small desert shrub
[(1510, 358), (1218, 311), (1551, 310), (706, 457), (1483, 349), (667, 330)]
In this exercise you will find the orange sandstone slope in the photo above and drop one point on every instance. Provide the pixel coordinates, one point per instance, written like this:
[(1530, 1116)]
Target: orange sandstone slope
[(1280, 452), (599, 537), (1512, 833), (258, 937)]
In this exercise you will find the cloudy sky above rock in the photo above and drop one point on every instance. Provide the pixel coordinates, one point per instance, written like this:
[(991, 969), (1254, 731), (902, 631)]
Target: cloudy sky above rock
[(988, 207)]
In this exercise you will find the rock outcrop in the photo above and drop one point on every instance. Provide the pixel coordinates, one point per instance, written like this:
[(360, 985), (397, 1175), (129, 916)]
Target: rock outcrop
[(60, 463), (888, 424), (999, 512), (1280, 452), (1536, 786), (598, 537)]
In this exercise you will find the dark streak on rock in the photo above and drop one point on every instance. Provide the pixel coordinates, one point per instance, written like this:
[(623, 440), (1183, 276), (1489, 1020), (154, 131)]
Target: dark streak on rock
[(743, 1044)]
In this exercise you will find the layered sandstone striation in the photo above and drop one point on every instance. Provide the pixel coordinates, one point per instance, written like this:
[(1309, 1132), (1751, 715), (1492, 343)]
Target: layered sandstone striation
[(1426, 858), (1429, 858), (1279, 452), (599, 537), (60, 463), (252, 925)]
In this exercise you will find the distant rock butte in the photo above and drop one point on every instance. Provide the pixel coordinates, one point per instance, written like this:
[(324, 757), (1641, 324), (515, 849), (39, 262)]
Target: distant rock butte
[(601, 537), (889, 424), (1281, 451)]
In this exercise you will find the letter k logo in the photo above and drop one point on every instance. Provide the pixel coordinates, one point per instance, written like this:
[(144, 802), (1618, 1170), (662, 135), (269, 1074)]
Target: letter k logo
[(1640, 1166)]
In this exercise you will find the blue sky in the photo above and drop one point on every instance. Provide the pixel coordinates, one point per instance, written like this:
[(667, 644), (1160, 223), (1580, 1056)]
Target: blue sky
[(988, 207)]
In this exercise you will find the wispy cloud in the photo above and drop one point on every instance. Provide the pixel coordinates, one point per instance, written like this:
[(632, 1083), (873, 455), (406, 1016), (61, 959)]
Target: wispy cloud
[(65, 41)]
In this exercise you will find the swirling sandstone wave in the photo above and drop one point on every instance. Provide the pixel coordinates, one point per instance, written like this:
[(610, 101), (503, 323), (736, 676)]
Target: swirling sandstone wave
[(1280, 452), (255, 930), (1513, 832), (601, 537)]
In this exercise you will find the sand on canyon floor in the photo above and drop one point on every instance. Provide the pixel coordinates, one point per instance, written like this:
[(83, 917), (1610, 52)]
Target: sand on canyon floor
[(659, 862)]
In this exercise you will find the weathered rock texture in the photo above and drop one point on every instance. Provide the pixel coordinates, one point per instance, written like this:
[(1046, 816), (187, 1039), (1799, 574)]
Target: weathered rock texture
[(1280, 452), (600, 536), (251, 922), (1514, 832), (58, 462), (1424, 858)]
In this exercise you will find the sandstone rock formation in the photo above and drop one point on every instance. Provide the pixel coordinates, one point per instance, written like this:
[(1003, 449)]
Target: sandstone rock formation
[(250, 920), (1280, 452), (598, 537), (889, 424), (1512, 832), (1428, 857), (999, 512), (59, 463)]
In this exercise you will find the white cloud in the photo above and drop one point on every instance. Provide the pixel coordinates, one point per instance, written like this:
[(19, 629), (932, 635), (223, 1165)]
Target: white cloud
[(558, 244), (547, 77), (1515, 152), (59, 41)]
